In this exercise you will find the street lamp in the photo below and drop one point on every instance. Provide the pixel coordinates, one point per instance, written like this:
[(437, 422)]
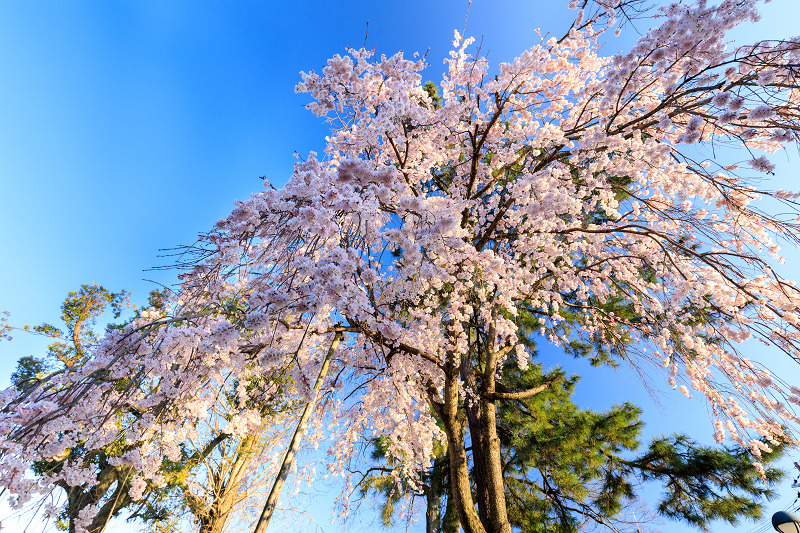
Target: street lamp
[(786, 522)]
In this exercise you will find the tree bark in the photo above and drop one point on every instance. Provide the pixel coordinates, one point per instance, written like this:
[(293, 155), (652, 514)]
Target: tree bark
[(434, 492), (472, 405), (78, 499), (433, 497), (214, 520), (494, 465), (460, 489), (450, 522), (118, 500)]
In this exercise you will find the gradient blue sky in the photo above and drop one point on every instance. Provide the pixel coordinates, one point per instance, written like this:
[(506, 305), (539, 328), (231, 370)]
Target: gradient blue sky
[(130, 126)]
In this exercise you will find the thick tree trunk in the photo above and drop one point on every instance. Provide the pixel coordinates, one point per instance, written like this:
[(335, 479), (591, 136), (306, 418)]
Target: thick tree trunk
[(460, 489), (493, 457), (77, 499), (118, 500), (450, 522), (481, 416), (434, 492), (477, 437), (433, 496)]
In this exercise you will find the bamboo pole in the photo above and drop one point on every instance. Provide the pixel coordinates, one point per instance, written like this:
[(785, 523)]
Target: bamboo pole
[(288, 459)]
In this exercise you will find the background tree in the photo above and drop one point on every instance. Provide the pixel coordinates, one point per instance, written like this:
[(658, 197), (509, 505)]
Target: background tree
[(568, 469), (205, 482), (69, 349)]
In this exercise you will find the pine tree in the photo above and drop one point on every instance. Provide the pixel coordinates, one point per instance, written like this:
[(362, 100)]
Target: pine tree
[(569, 469), (566, 466)]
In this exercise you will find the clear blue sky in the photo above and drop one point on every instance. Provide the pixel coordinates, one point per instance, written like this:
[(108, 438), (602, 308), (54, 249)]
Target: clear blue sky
[(130, 126)]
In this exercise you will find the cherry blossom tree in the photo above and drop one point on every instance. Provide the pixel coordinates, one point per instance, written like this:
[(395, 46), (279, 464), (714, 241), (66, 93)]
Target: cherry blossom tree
[(563, 186), (207, 485)]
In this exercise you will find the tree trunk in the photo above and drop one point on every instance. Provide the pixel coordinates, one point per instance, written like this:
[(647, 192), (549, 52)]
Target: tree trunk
[(227, 497), (472, 406), (434, 493), (78, 499), (460, 489), (433, 511), (487, 459), (116, 501), (450, 522), (493, 457)]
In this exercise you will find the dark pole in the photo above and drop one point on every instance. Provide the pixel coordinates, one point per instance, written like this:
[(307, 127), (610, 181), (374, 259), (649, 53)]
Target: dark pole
[(786, 522)]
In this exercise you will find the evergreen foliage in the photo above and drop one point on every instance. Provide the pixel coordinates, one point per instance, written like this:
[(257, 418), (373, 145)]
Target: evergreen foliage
[(569, 469)]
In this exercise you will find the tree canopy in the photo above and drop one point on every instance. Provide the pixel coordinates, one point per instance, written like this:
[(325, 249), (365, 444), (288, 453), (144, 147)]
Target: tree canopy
[(558, 196), (205, 484)]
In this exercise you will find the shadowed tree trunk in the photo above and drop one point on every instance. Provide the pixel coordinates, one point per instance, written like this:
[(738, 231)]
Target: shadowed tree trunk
[(226, 488), (459, 472)]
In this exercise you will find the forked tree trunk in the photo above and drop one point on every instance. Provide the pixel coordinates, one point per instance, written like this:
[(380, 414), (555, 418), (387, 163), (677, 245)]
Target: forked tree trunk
[(227, 496), (498, 513), (487, 460), (77, 499), (460, 489), (473, 407), (118, 500)]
